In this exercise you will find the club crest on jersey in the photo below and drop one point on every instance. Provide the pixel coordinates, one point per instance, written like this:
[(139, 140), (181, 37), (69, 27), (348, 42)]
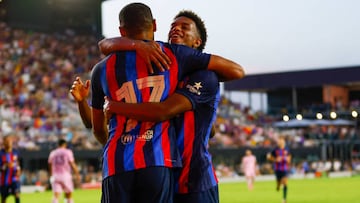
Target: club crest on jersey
[(195, 88)]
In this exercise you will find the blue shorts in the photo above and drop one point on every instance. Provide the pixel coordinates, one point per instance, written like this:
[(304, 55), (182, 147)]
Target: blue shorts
[(209, 196), (11, 189), (148, 185), (280, 174)]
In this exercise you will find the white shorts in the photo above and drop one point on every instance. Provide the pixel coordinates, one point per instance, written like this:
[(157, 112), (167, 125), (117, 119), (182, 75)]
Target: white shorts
[(63, 184)]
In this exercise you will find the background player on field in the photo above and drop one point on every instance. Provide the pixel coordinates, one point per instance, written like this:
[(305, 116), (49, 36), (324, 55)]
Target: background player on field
[(10, 171), (61, 165), (248, 166), (281, 158)]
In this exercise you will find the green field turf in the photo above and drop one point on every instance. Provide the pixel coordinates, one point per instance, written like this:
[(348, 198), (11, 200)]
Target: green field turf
[(322, 190)]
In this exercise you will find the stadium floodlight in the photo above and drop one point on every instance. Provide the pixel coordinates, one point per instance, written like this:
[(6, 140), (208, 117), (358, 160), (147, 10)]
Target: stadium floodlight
[(333, 115), (299, 117), (354, 114), (286, 118), (319, 116)]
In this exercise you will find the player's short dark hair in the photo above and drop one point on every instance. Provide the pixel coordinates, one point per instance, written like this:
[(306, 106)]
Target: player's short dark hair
[(135, 18), (61, 142), (200, 25)]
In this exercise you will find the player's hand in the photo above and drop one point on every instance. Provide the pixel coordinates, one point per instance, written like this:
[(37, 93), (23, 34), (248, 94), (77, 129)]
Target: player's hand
[(51, 179), (268, 156), (79, 90), (151, 53), (107, 108), (77, 178)]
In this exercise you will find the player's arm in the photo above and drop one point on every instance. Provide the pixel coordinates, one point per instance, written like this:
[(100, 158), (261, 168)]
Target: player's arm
[(50, 169), (75, 170), (18, 171), (98, 121), (150, 51), (151, 111), (270, 157), (182, 100), (74, 167), (80, 92), (225, 69), (99, 124), (288, 158)]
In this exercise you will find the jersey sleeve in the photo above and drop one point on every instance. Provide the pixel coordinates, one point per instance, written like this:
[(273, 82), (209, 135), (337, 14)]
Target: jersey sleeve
[(71, 156), (97, 94), (200, 87)]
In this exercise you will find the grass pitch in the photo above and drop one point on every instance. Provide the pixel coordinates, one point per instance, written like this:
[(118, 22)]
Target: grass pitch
[(321, 190)]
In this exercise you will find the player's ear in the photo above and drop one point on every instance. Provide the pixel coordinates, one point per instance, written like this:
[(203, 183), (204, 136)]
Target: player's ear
[(122, 31), (197, 43)]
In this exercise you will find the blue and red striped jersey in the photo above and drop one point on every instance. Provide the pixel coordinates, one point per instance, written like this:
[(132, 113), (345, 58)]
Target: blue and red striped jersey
[(9, 166), (123, 76), (194, 127), (283, 165)]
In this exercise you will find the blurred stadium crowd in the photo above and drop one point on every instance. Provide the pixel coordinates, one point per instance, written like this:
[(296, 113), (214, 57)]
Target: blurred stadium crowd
[(37, 70)]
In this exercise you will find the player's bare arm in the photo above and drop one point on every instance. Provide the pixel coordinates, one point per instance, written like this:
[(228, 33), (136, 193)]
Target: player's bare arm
[(288, 159), (150, 111), (75, 170), (225, 69), (150, 51), (100, 129), (80, 91), (50, 169), (270, 157)]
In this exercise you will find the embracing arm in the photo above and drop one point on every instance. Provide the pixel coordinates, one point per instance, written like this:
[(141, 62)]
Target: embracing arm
[(151, 111), (150, 51), (225, 69)]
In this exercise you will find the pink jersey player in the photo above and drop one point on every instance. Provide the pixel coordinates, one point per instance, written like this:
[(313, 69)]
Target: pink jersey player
[(62, 163), (249, 168)]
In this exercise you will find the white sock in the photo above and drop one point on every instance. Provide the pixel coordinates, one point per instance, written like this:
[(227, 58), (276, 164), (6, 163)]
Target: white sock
[(55, 200), (68, 200)]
